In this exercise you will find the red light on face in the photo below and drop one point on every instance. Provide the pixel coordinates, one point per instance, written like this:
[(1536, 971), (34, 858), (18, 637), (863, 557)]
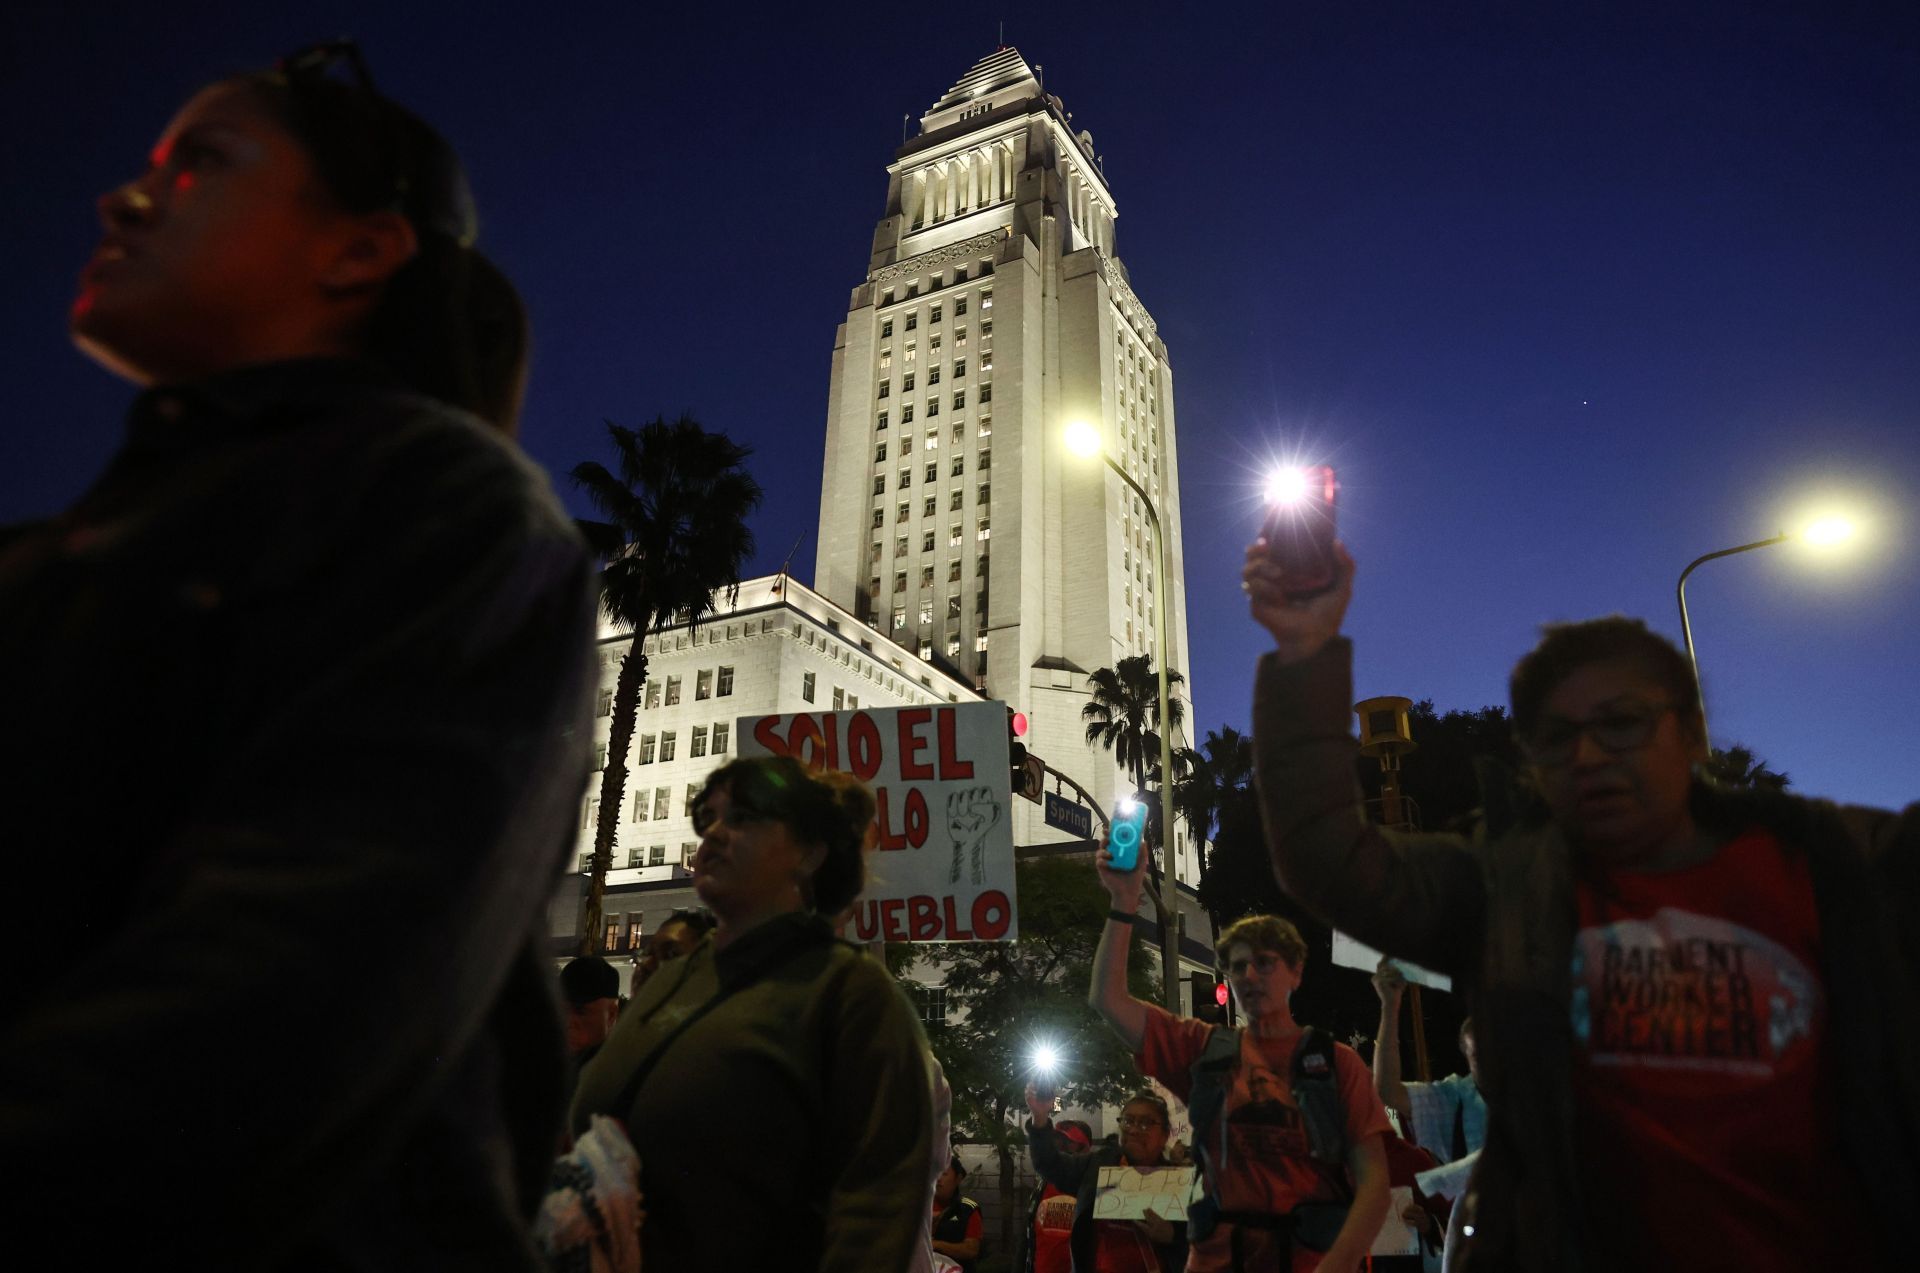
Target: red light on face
[(1019, 724), (1220, 994)]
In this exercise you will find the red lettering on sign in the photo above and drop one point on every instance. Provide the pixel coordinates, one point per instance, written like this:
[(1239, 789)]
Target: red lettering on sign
[(912, 768), (992, 915), (864, 749), (803, 736), (914, 819), (954, 931), (766, 733), (923, 918), (866, 921), (951, 766), (890, 927)]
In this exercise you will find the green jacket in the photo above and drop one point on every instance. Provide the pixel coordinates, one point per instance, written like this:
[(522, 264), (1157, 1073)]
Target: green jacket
[(789, 1127), (1500, 917)]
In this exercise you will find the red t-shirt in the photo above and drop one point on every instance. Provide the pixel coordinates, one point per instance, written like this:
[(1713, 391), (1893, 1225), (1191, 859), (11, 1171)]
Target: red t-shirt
[(1268, 1166), (1052, 1229), (1704, 1115)]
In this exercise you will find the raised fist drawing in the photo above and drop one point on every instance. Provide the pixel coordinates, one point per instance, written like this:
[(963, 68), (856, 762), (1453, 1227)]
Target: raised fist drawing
[(970, 815)]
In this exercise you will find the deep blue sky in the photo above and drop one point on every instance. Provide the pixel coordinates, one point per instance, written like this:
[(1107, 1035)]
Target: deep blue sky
[(1570, 293)]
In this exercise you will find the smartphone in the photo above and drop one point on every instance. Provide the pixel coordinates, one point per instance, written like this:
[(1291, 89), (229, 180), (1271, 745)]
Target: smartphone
[(1123, 837), (1044, 1087), (1299, 531)]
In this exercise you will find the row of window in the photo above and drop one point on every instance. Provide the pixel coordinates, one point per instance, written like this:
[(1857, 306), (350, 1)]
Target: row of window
[(707, 683), (985, 460), (698, 741), (932, 405), (956, 500), (954, 540)]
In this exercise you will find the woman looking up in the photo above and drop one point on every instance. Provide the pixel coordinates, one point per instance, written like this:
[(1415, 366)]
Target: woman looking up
[(1287, 1128), (300, 687), (786, 1032)]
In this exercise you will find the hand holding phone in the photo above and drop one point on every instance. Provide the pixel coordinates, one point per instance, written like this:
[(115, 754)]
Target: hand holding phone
[(1299, 529)]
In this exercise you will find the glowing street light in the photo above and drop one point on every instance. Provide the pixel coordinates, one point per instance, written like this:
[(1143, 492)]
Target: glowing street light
[(1822, 532), (1083, 439)]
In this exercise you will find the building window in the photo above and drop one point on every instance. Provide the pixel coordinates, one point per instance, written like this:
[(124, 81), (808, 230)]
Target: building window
[(633, 859), (882, 424), (657, 855), (599, 756), (933, 376), (959, 306), (926, 542), (986, 458), (986, 426), (959, 368), (720, 738), (932, 507), (666, 745), (933, 439), (953, 570), (603, 705), (673, 690), (885, 390), (900, 546), (906, 383), (697, 745), (646, 749), (959, 465), (879, 514), (899, 617), (900, 511), (725, 687), (986, 497), (933, 470), (953, 535), (986, 393), (702, 686), (613, 932), (634, 930), (879, 486), (980, 643), (659, 803), (953, 647), (880, 454), (980, 568), (686, 855), (926, 575), (913, 319), (933, 404), (959, 499), (876, 551), (806, 686), (959, 399), (953, 602), (934, 316), (886, 360), (873, 586), (839, 698), (906, 478), (899, 581), (653, 693), (640, 807), (986, 299), (906, 413)]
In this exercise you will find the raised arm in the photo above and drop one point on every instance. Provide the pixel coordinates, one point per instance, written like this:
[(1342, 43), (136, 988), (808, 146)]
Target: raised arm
[(1109, 994), (1421, 896), (1390, 984), (1063, 1170)]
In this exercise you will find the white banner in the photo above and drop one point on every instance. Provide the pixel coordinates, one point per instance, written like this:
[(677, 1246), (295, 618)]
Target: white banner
[(943, 866), (1349, 953)]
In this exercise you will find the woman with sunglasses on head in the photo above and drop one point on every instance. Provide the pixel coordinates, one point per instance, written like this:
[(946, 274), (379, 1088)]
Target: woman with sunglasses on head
[(1288, 1132), (805, 1047), (299, 690)]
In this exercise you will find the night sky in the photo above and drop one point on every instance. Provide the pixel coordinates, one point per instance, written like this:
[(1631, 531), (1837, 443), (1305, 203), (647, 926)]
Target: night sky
[(1571, 294)]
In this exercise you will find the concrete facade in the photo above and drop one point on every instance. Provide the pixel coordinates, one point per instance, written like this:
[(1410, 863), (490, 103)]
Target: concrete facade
[(994, 312)]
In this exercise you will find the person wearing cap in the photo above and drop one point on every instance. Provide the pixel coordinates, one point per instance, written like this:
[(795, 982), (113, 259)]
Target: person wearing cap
[(307, 675), (1050, 1222), (591, 987), (1154, 1244), (955, 1226)]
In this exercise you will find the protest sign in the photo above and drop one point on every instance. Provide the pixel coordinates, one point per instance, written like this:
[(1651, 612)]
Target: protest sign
[(942, 869), (1348, 953), (1126, 1193), (1449, 1180), (1396, 1236)]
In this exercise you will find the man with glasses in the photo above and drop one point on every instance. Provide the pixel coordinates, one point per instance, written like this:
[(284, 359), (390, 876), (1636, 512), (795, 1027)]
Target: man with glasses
[(1152, 1245), (1694, 1007)]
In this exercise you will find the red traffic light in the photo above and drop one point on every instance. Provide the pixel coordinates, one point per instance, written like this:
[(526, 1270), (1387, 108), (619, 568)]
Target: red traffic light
[(1220, 994), (1017, 722)]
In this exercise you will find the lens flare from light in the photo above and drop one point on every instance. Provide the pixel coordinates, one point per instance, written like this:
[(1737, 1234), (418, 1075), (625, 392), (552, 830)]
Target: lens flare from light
[(1083, 439), (1046, 1058), (1286, 486), (1128, 805)]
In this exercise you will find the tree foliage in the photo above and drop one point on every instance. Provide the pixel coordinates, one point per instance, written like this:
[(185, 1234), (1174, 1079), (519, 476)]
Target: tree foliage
[(676, 504), (1005, 998), (1737, 766)]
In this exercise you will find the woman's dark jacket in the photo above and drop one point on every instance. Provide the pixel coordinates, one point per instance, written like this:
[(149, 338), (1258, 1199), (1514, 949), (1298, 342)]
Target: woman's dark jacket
[(296, 721)]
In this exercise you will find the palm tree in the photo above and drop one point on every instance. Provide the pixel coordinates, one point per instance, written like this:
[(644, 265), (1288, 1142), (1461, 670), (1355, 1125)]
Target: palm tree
[(1205, 779), (675, 535), (1123, 716), (1737, 766)]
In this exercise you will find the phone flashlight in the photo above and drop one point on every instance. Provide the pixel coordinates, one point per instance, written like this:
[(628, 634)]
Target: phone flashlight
[(1299, 528)]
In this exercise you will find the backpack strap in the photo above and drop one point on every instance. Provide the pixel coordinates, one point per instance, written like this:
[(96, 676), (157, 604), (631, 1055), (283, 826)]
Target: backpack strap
[(1316, 1091)]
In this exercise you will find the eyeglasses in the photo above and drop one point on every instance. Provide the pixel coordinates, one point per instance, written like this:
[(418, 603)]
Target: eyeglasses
[(1262, 963), (1622, 729), (1139, 1124)]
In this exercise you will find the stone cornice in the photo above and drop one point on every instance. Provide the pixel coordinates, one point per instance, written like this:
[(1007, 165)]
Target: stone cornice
[(962, 250)]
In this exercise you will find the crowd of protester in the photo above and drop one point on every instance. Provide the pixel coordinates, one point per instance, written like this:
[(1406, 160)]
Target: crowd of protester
[(313, 1027)]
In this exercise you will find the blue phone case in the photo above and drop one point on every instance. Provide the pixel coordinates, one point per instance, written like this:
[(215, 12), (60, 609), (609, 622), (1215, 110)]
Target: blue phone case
[(1123, 839)]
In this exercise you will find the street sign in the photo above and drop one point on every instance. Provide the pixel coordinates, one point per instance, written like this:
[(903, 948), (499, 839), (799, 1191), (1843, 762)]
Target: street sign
[(1074, 819), (1035, 778)]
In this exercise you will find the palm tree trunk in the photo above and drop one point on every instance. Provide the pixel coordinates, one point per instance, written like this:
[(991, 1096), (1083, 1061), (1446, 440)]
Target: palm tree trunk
[(1162, 905), (613, 785)]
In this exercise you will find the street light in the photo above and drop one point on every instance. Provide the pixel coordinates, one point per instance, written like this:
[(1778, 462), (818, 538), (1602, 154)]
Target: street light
[(1083, 439), (1826, 532)]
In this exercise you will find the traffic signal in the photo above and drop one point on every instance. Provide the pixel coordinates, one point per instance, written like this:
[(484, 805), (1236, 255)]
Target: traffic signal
[(1016, 750)]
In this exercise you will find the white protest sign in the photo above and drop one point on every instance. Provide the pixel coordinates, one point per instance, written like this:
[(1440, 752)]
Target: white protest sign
[(1349, 953), (1449, 1180), (942, 869), (1123, 1193), (1396, 1236)]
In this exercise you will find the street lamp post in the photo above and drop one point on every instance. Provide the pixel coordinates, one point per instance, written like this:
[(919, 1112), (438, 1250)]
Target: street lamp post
[(1084, 439), (1686, 628)]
